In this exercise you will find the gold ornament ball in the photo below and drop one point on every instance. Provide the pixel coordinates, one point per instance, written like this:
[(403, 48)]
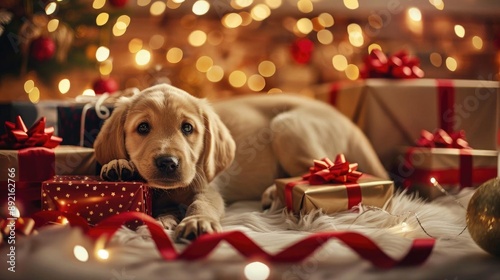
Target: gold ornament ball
[(483, 216)]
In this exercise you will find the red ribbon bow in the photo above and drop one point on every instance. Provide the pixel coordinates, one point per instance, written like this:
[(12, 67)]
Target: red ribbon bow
[(17, 136), (325, 171), (400, 66), (441, 139)]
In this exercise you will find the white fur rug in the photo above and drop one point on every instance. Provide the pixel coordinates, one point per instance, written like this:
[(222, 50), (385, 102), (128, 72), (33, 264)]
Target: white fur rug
[(49, 255)]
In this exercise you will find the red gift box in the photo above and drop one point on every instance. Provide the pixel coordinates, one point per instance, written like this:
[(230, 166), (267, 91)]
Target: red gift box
[(30, 156), (94, 199)]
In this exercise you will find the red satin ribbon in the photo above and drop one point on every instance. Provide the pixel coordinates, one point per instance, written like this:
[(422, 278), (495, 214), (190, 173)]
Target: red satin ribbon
[(446, 101), (451, 176), (400, 66), (442, 139), (333, 94), (203, 246), (325, 171), (17, 136)]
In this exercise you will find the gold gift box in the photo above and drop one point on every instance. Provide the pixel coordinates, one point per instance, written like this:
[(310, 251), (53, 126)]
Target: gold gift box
[(332, 198)]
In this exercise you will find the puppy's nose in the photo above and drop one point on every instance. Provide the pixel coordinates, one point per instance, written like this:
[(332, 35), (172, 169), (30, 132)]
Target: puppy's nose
[(167, 164)]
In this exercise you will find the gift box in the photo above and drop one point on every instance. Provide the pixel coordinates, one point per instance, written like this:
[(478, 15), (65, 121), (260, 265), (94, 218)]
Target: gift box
[(452, 165), (80, 121), (392, 112), (94, 199), (28, 157), (79, 124), (335, 192)]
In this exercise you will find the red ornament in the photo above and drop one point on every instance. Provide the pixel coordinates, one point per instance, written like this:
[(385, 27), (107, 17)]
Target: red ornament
[(302, 50), (118, 3), (43, 48), (104, 85)]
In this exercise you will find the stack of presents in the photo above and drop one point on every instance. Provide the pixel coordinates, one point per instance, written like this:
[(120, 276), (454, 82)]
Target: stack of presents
[(49, 164), (420, 129)]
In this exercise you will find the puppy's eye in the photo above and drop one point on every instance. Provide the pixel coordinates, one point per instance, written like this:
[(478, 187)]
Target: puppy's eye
[(187, 128), (143, 128)]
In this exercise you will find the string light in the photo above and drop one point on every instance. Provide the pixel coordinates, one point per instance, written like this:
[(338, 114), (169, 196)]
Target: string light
[(451, 64), (267, 68), (237, 78), (64, 86), (242, 3), (142, 57), (157, 8), (102, 53), (232, 20), (260, 12), (135, 45), (143, 3), (34, 95), (88, 92), (257, 271), (352, 72), (325, 37), (29, 85), (197, 38), (102, 19), (81, 253), (256, 82), (436, 184), (477, 42), (414, 14), (304, 25), (52, 25), (339, 62), (215, 74), (273, 4), (374, 46), (305, 6), (459, 30), (351, 4), (103, 254), (201, 7), (436, 59), (50, 8), (326, 20), (98, 4), (174, 55)]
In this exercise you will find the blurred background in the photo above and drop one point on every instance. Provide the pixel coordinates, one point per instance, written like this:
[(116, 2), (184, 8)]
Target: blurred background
[(60, 49)]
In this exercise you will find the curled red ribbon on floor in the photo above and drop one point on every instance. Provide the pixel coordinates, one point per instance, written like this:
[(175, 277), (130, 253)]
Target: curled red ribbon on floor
[(200, 248), (17, 136), (400, 66), (325, 171), (443, 139)]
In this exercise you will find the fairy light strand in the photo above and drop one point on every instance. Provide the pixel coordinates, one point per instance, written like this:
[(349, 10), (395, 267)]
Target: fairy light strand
[(365, 209)]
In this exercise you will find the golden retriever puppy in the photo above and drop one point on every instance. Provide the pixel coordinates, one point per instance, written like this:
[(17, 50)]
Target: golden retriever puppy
[(200, 153)]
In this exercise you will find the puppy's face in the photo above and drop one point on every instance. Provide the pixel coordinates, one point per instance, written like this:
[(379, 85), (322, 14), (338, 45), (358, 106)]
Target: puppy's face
[(173, 138), (164, 138)]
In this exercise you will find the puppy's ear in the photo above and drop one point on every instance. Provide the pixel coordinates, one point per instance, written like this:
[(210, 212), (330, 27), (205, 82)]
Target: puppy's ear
[(110, 142), (219, 147)]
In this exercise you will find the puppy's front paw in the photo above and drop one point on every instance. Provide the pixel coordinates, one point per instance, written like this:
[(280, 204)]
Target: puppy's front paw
[(118, 170), (193, 226), (268, 197), (168, 221)]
